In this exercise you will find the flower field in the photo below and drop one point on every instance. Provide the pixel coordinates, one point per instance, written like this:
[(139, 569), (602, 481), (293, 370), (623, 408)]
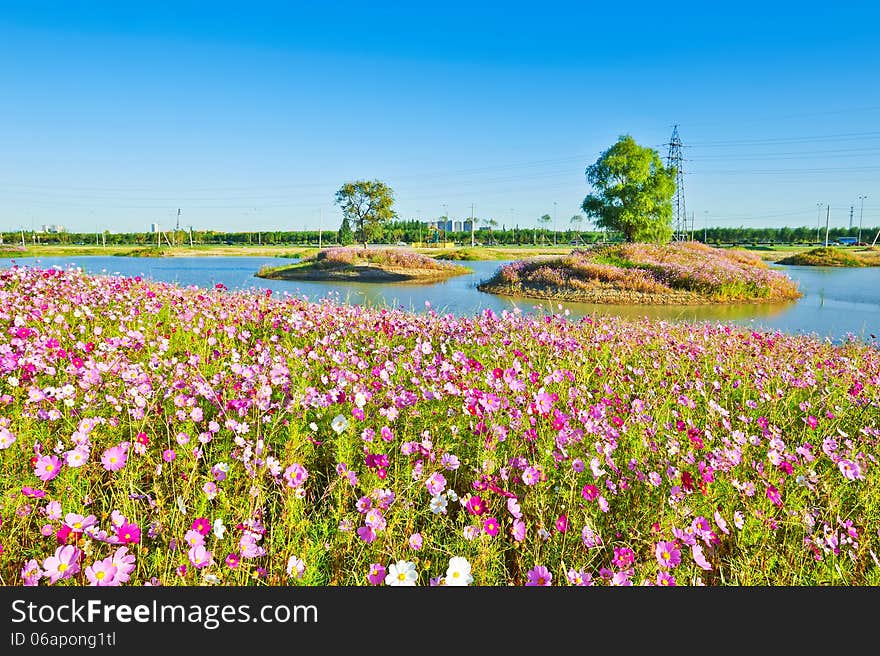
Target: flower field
[(685, 273), (158, 435)]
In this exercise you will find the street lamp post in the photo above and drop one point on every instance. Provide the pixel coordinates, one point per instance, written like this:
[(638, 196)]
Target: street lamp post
[(861, 212), (818, 219), (554, 223)]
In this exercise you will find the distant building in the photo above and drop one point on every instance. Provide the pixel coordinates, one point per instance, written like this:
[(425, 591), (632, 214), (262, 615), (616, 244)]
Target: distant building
[(456, 226), (154, 228), (53, 229), (466, 226)]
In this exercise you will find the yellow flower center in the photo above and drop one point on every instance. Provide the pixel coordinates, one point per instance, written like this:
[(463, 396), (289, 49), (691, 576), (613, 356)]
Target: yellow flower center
[(455, 575), (100, 575), (401, 576), (77, 525), (50, 468), (62, 567)]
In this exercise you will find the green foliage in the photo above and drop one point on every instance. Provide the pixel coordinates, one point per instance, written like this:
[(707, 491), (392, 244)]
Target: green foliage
[(346, 234), (368, 204), (633, 192)]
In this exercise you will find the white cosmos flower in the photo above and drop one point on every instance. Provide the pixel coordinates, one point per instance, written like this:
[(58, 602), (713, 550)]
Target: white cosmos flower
[(181, 505), (438, 504), (339, 424), (403, 572), (459, 571), (219, 528)]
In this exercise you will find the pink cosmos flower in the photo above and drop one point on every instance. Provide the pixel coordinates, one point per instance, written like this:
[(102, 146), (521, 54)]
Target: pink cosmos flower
[(168, 455), (375, 520), (62, 565), (232, 560), (31, 573), (194, 538), (366, 533), (539, 576), (78, 523), (416, 541), (376, 575), (668, 554), (114, 458), (531, 475), (47, 467), (623, 557), (579, 578), (699, 558), (199, 556), (518, 530), (513, 508), (102, 572), (249, 547), (124, 563), (295, 475), (665, 579), (435, 483), (850, 470)]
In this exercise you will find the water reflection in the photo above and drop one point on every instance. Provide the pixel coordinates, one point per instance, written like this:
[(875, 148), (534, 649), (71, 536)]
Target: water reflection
[(836, 302)]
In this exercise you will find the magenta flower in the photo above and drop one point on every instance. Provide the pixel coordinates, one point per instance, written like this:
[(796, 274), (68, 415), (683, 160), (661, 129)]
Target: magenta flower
[(168, 455), (114, 458), (202, 525), (232, 560), (773, 495), (47, 467), (590, 492), (623, 557), (531, 475), (62, 565), (128, 533), (490, 525), (562, 523), (539, 576), (475, 505), (102, 572), (668, 554), (376, 575)]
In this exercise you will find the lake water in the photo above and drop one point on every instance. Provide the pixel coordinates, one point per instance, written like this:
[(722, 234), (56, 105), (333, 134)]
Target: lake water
[(836, 302)]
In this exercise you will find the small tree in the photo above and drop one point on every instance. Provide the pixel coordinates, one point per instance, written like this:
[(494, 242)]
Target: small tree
[(576, 221), (545, 219), (346, 235), (367, 203), (633, 192)]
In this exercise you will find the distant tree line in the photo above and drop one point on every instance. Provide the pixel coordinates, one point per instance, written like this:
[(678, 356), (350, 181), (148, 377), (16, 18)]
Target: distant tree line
[(410, 231)]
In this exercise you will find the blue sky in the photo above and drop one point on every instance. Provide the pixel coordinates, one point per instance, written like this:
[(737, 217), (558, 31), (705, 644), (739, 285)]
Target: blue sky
[(250, 115)]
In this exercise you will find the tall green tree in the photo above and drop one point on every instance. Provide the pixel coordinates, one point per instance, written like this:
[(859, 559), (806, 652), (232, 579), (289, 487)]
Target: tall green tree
[(367, 204), (632, 192), (346, 234)]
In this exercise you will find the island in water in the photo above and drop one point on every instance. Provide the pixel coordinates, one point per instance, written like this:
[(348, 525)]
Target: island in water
[(830, 256), (679, 273), (358, 264)]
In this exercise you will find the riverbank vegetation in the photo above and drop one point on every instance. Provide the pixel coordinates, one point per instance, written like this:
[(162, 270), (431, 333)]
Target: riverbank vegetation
[(679, 273), (834, 256), (365, 265), (153, 434)]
